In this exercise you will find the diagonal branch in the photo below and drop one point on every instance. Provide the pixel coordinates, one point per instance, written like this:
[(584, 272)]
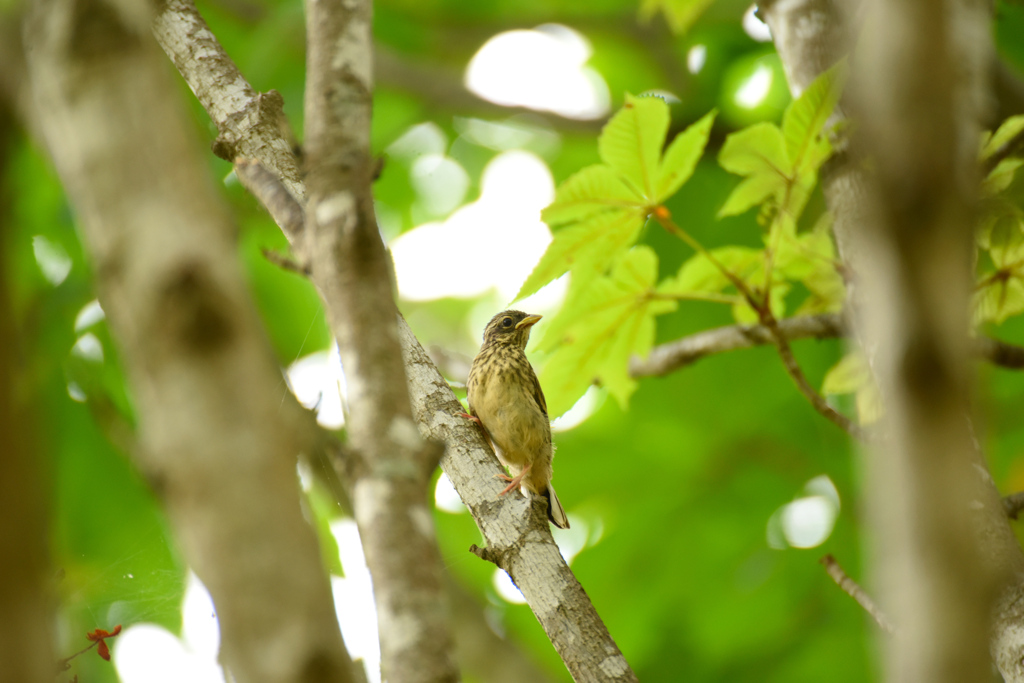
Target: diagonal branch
[(673, 355), (523, 539)]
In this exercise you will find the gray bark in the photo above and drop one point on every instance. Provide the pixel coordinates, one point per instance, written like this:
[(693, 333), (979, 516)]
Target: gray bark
[(943, 546), (218, 433)]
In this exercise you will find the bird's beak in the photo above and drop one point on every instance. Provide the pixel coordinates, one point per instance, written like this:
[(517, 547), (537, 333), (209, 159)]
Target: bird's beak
[(528, 321)]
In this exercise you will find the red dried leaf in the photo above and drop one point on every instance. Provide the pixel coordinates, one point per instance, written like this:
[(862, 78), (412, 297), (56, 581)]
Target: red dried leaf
[(100, 634), (103, 651)]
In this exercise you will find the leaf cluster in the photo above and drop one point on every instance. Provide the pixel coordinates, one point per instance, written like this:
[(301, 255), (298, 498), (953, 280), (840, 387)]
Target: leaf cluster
[(599, 213)]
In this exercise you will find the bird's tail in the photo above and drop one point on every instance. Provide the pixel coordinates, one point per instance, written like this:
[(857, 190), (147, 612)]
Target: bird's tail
[(556, 513)]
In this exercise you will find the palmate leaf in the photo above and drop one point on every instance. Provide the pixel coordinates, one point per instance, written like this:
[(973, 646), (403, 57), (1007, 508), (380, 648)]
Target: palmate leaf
[(851, 375), (612, 319), (998, 300), (698, 275), (759, 153), (601, 209), (587, 248), (782, 163), (805, 118), (1009, 129), (631, 141), (682, 156), (680, 13), (594, 189)]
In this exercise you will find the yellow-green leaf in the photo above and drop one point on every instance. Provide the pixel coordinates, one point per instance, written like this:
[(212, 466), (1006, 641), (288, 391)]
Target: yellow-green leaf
[(999, 300), (680, 13), (751, 192), (805, 117), (847, 376), (681, 157), (586, 248), (757, 149), (609, 321), (851, 375), (869, 403), (594, 189), (699, 275), (1009, 129), (1000, 177), (631, 141)]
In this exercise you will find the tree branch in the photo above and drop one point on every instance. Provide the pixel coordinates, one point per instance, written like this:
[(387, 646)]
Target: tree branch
[(349, 265), (217, 440), (286, 211), (536, 565), (853, 589), (673, 355), (250, 124), (517, 533), (909, 268)]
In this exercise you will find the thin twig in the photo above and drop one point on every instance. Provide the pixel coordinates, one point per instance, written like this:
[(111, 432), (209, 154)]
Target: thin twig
[(671, 356), (273, 195), (797, 374), (285, 263), (853, 589), (763, 307)]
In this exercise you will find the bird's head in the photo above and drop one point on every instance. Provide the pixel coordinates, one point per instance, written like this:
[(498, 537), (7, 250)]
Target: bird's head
[(510, 327)]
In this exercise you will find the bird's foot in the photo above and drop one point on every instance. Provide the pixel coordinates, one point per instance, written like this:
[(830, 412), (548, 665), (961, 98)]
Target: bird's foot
[(514, 482), (474, 418)]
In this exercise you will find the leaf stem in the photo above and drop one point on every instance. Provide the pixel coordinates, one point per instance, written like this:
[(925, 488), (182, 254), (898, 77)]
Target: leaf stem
[(763, 308)]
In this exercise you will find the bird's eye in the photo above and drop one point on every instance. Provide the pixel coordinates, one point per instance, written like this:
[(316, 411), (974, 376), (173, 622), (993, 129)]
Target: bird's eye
[(506, 322)]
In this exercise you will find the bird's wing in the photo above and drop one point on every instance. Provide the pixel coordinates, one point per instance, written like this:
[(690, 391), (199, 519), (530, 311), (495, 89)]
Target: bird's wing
[(538, 393)]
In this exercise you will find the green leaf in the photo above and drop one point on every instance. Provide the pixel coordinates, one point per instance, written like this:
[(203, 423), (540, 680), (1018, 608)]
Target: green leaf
[(847, 376), (1005, 238), (851, 375), (1009, 129), (682, 156), (680, 13), (1000, 177), (999, 300), (610, 320), (869, 403), (586, 248), (805, 117), (759, 153), (751, 192), (631, 141), (602, 208), (699, 275), (594, 189), (760, 148)]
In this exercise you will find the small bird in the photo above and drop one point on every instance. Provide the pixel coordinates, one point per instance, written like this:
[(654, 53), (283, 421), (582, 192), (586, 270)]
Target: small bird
[(505, 399)]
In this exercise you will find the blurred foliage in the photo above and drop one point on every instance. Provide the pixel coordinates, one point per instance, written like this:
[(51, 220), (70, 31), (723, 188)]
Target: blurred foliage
[(672, 497)]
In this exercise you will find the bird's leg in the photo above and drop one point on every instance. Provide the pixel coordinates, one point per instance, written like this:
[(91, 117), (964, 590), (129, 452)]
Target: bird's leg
[(515, 481), (476, 419)]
